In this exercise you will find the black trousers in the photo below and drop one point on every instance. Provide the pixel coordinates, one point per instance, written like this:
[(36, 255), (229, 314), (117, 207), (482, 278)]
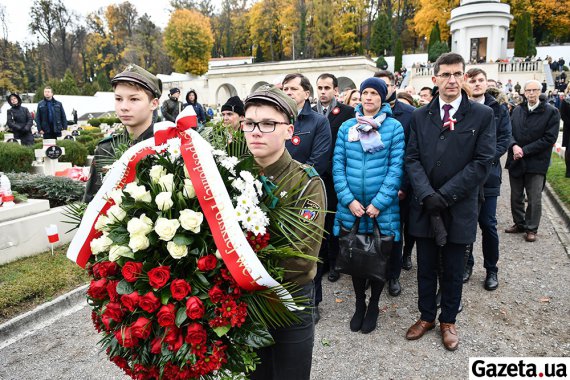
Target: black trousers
[(291, 355), (451, 257), (329, 247)]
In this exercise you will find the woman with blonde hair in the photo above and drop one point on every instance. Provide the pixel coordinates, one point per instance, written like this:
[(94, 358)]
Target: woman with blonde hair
[(352, 98)]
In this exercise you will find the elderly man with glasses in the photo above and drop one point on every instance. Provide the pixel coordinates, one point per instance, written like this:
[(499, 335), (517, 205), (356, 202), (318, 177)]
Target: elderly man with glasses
[(535, 129)]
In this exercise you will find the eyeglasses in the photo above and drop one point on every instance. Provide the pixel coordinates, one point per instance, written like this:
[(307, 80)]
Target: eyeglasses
[(446, 76), (265, 126), (532, 90)]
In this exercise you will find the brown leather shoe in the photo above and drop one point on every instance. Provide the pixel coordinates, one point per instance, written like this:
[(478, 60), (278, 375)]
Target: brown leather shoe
[(530, 237), (449, 336), (514, 229), (418, 329)]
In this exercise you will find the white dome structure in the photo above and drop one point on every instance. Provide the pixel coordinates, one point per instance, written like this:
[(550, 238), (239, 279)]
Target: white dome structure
[(480, 29)]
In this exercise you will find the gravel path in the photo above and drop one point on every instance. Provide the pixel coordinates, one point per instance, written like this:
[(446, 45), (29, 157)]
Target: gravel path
[(527, 316)]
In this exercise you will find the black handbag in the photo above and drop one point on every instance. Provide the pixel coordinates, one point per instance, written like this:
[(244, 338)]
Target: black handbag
[(364, 255)]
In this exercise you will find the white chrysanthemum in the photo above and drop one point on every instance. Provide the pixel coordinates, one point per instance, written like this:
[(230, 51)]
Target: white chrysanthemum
[(244, 201), (166, 228), (229, 163), (258, 229), (238, 184), (164, 201), (191, 220), (283, 194), (156, 172), (218, 153), (167, 182), (259, 187), (101, 244), (174, 151), (176, 251), (247, 176), (138, 242), (116, 214)]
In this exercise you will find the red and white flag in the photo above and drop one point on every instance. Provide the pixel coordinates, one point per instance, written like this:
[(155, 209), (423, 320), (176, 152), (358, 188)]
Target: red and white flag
[(51, 231)]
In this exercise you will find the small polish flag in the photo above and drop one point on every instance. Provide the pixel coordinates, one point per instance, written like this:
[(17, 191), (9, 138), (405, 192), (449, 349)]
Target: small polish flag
[(52, 234)]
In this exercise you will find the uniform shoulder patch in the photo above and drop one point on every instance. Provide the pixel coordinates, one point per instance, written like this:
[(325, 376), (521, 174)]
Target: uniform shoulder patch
[(310, 210), (311, 172)]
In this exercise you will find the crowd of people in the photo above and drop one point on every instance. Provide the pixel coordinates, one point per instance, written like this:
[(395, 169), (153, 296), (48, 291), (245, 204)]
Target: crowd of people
[(423, 166)]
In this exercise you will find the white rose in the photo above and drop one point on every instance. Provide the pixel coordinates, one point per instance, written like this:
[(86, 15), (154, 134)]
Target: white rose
[(139, 193), (101, 244), (189, 191), (118, 251), (116, 214), (166, 228), (190, 220), (167, 182), (218, 254), (138, 242), (116, 195), (176, 251), (156, 172), (140, 226), (101, 223), (164, 200)]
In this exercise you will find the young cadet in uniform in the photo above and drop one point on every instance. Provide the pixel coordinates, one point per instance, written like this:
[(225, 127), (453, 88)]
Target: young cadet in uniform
[(269, 118), (136, 99)]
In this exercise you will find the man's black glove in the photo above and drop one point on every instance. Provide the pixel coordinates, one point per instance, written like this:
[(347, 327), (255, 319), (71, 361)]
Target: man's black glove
[(434, 203)]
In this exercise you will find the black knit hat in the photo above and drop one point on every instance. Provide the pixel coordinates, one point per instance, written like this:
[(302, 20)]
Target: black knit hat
[(174, 91), (234, 104)]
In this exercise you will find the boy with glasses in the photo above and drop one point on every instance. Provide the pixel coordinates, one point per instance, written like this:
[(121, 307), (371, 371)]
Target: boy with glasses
[(268, 124)]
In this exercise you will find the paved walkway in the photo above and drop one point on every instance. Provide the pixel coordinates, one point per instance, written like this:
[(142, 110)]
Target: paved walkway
[(526, 316)]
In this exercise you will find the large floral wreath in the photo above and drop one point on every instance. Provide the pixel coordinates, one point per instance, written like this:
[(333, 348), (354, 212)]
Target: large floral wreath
[(177, 291)]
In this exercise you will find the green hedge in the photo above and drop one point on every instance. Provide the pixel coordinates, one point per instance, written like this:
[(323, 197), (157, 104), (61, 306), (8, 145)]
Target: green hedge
[(15, 158), (58, 190), (75, 152)]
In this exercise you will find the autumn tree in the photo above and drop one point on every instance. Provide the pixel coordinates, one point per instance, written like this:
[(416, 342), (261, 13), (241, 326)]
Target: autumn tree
[(264, 29), (431, 11), (188, 40)]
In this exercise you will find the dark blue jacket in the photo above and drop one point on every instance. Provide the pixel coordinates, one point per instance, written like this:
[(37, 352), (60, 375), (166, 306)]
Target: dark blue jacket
[(20, 122), (403, 113), (311, 142), (59, 118), (454, 163), (369, 178), (492, 187)]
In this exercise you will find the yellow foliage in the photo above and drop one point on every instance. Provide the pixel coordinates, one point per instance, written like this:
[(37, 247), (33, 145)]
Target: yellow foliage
[(431, 11), (188, 40)]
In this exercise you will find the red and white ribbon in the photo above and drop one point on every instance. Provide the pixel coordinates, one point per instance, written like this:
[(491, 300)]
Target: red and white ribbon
[(450, 123), (215, 202)]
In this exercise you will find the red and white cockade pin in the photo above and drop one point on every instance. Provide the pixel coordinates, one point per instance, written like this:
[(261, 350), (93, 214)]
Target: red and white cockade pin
[(450, 123), (295, 140), (335, 111)]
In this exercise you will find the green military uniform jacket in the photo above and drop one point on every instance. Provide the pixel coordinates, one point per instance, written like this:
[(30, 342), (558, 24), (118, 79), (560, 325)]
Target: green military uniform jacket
[(288, 174), (105, 150)]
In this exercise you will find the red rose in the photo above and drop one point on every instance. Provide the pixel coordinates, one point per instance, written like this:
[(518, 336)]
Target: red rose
[(159, 276), (98, 289), (171, 334), (194, 308), (131, 271), (149, 302), (107, 268), (112, 290), (196, 334), (207, 263), (114, 311), (156, 346), (216, 294), (142, 328), (179, 289), (167, 315), (130, 301), (126, 337)]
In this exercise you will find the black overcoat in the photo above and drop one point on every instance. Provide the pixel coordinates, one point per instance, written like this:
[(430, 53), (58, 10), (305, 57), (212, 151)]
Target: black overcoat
[(454, 163)]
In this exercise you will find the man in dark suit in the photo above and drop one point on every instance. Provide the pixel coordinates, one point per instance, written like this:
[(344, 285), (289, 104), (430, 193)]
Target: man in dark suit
[(336, 113), (403, 113), (449, 154), (311, 141)]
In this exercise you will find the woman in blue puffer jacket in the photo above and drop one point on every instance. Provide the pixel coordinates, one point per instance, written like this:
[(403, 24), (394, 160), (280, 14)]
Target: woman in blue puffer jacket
[(367, 170)]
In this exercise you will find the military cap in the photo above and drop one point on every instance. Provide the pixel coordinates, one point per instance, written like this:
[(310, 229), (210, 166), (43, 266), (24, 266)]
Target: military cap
[(137, 74), (272, 94)]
